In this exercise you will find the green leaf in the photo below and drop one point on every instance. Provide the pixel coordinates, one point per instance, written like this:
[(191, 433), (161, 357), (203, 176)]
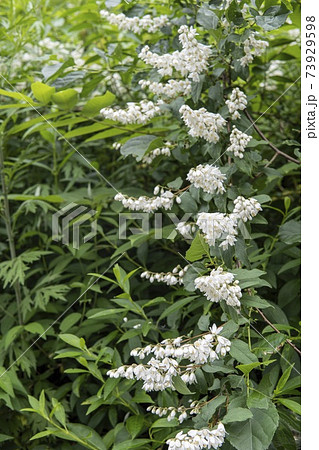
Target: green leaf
[(164, 423), (42, 92), (175, 306), (209, 409), (34, 327), (247, 368), (127, 445), (207, 18), (72, 340), (69, 321), (255, 433), (237, 415), (290, 232), (181, 386), (283, 380), (134, 425), (138, 146), (198, 249), (273, 18), (66, 99), (240, 351), (290, 404), (94, 105), (41, 434)]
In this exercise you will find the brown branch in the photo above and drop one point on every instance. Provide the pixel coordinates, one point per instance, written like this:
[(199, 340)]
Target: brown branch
[(261, 134), (277, 331)]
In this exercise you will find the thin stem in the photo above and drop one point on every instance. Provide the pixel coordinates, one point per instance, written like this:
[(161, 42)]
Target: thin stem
[(261, 134), (277, 331), (7, 220)]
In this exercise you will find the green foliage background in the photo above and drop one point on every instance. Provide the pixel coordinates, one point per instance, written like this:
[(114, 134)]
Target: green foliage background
[(55, 350)]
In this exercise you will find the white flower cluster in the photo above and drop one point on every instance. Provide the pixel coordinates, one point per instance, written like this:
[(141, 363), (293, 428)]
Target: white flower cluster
[(171, 89), (189, 62), (134, 113), (170, 278), (147, 204), (164, 151), (172, 412), (239, 141), (114, 80), (246, 208), (203, 350), (135, 24), (236, 101), (202, 123), (220, 285), (198, 439), (207, 177), (158, 373), (217, 226), (252, 47), (186, 230)]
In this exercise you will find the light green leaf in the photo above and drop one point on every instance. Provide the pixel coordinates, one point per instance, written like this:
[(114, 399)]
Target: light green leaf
[(42, 92), (237, 415), (66, 99)]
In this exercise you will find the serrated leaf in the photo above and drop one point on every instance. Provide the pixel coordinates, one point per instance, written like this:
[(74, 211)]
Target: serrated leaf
[(198, 249), (237, 415)]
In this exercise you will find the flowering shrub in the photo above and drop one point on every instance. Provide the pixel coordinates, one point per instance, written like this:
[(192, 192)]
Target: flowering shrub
[(183, 339)]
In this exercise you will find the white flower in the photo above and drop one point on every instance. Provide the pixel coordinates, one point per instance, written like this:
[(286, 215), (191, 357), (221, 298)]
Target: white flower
[(252, 47), (134, 113), (220, 285), (147, 204), (186, 230), (171, 89), (207, 177), (239, 141), (163, 151), (198, 439), (136, 24), (246, 208), (189, 62), (170, 278), (217, 226), (202, 123), (222, 226), (236, 101)]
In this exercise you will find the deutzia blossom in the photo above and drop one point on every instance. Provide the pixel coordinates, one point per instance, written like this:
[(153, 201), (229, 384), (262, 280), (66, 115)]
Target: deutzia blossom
[(186, 230), (246, 208), (135, 24), (147, 204), (217, 226), (158, 373), (180, 412), (252, 47), (236, 101), (198, 439), (171, 89), (239, 141), (202, 123), (201, 351), (170, 278), (220, 285), (163, 151), (189, 62), (134, 113), (207, 177)]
